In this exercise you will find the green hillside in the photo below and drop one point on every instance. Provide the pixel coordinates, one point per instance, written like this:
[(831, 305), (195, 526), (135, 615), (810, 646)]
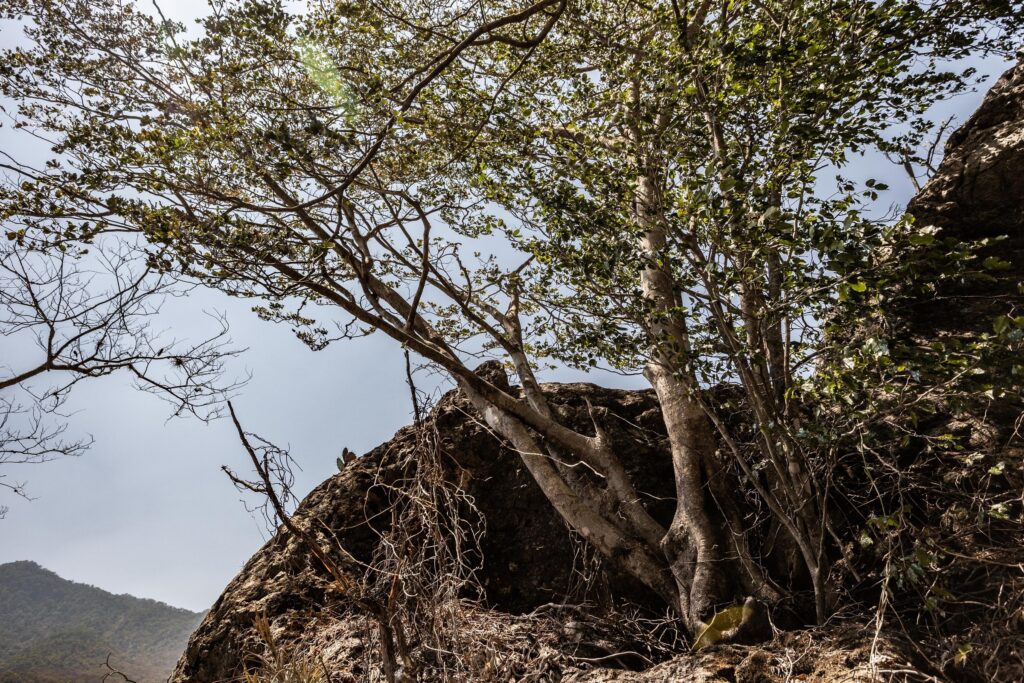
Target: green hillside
[(57, 631)]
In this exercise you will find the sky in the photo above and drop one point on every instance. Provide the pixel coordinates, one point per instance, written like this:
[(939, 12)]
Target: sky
[(147, 510)]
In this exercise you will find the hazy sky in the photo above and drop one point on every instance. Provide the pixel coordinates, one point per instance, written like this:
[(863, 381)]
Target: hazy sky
[(147, 510)]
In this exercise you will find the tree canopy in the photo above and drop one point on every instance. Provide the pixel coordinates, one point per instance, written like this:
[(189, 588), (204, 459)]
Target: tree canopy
[(654, 187)]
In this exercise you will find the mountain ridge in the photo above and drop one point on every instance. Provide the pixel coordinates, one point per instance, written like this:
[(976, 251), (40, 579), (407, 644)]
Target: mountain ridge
[(56, 630), (35, 565)]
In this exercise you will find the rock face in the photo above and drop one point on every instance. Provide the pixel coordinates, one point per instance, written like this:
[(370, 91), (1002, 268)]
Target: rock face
[(975, 194)]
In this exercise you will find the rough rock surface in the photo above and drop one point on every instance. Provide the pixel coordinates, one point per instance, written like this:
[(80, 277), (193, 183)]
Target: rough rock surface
[(977, 193)]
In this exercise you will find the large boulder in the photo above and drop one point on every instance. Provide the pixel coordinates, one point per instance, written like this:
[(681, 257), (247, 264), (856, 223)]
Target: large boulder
[(528, 557)]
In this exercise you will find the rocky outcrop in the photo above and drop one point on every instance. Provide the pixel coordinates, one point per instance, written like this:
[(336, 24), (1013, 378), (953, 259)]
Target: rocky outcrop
[(532, 574), (527, 555), (977, 193)]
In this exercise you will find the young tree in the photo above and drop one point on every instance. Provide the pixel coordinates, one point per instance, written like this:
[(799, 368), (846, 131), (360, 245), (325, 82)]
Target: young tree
[(88, 316), (649, 175)]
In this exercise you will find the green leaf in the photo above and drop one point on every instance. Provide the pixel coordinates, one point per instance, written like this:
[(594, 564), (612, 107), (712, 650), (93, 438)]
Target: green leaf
[(996, 263)]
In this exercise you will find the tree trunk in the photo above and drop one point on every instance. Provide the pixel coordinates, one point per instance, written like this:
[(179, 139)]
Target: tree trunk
[(581, 514), (692, 545), (706, 552)]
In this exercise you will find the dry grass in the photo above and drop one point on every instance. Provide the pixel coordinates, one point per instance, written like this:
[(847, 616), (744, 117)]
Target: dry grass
[(276, 663)]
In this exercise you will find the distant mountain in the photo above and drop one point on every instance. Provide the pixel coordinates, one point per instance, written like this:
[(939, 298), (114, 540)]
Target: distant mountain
[(56, 631)]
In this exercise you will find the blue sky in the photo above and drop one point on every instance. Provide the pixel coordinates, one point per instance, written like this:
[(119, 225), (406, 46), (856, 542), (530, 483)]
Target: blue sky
[(147, 510)]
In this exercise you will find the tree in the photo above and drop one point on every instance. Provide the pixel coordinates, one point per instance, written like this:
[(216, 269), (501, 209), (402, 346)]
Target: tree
[(672, 179), (651, 176), (88, 315)]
